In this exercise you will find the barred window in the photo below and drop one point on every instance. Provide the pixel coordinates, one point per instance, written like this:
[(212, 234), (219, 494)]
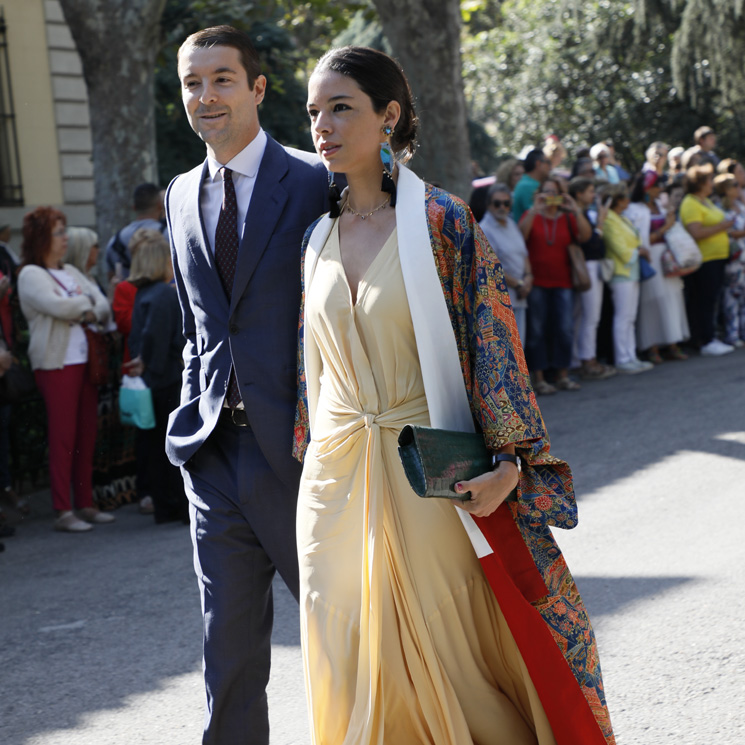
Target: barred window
[(11, 190)]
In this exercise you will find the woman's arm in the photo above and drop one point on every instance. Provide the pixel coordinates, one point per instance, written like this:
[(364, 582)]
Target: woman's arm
[(38, 292), (526, 222), (701, 232), (495, 373)]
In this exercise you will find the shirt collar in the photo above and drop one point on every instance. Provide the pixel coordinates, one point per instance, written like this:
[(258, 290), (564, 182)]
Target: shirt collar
[(246, 162)]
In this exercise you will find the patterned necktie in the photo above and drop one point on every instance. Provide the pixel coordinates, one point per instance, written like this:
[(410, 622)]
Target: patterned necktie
[(226, 257)]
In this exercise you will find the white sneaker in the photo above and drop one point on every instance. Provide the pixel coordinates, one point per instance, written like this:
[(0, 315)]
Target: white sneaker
[(630, 368), (93, 515), (716, 348), (643, 365), (67, 522)]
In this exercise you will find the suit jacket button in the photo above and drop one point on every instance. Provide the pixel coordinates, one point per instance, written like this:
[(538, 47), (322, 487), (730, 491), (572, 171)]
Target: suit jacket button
[(233, 328)]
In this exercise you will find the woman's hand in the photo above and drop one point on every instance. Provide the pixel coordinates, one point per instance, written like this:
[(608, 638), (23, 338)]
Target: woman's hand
[(134, 368), (489, 490), (570, 205), (524, 291), (644, 251), (88, 317)]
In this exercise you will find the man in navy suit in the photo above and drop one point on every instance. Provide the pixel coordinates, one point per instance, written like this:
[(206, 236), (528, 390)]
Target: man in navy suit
[(236, 224)]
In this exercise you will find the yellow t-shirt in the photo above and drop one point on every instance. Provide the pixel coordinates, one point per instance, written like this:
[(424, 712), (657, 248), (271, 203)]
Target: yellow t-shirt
[(715, 246)]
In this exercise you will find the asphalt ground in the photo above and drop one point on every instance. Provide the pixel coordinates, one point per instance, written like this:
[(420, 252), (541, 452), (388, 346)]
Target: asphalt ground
[(100, 634)]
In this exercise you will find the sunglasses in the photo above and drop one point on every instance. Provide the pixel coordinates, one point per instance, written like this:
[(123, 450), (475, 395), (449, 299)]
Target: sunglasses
[(500, 203)]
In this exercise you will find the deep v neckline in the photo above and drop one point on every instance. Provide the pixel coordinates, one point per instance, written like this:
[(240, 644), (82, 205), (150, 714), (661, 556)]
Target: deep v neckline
[(354, 297)]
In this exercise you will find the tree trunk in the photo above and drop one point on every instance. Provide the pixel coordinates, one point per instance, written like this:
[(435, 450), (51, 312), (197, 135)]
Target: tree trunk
[(425, 38), (118, 42)]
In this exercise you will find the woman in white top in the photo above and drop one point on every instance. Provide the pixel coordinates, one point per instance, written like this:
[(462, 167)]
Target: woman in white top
[(662, 320), (509, 245), (57, 300)]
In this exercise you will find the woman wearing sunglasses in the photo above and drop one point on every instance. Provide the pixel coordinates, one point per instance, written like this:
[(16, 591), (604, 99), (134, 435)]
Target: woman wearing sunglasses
[(508, 243)]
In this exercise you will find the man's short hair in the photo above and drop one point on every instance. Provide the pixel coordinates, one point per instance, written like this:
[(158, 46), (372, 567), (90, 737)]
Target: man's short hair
[(227, 36), (532, 159), (146, 197), (702, 132)]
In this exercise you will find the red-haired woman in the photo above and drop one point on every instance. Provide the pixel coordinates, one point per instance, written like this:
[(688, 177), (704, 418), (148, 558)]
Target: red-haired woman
[(57, 300)]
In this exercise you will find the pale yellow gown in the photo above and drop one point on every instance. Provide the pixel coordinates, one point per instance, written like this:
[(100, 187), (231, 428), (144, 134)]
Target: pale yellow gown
[(403, 641)]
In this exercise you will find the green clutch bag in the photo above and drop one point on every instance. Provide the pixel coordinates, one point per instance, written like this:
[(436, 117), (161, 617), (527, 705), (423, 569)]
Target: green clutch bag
[(435, 460)]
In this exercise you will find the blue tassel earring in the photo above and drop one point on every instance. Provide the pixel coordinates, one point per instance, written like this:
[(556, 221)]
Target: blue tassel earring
[(386, 156), (334, 197)]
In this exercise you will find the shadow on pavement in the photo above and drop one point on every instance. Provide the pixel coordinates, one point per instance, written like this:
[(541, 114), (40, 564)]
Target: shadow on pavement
[(611, 429), (605, 596)]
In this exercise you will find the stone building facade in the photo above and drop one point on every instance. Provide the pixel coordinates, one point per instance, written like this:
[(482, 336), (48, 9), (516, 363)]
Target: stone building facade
[(45, 137)]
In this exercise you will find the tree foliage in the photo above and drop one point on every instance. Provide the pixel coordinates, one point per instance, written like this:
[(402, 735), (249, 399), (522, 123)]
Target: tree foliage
[(585, 71), (708, 49)]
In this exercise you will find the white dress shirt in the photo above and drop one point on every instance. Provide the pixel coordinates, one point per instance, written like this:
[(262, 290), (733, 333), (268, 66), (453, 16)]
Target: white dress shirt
[(245, 166)]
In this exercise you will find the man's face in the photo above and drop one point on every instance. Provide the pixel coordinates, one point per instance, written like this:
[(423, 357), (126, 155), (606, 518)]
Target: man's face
[(543, 168), (708, 142), (500, 205), (221, 107)]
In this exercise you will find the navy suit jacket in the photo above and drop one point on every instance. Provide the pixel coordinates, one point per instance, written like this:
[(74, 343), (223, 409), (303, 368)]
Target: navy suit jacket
[(257, 329)]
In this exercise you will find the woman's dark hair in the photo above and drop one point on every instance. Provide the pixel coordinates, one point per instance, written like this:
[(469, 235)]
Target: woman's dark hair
[(637, 188), (579, 185), (556, 181), (381, 78), (580, 163), (227, 36), (37, 234)]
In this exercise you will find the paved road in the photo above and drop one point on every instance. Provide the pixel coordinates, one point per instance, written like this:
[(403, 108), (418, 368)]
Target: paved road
[(100, 633)]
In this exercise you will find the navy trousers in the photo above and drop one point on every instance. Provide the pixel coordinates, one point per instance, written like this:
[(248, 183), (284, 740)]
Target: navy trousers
[(243, 531)]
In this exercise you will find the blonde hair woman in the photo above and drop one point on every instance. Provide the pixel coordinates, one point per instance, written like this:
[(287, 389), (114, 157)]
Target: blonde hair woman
[(156, 344), (82, 250)]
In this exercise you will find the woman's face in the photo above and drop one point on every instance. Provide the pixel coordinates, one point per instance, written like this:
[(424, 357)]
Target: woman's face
[(58, 246), (653, 192), (587, 197), (739, 174), (346, 130)]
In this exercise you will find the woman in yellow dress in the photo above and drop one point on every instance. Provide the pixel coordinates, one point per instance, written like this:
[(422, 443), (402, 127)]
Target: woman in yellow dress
[(421, 623)]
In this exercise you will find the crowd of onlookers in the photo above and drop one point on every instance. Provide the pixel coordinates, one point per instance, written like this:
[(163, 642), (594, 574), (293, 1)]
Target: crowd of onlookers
[(69, 334), (658, 253), (607, 271)]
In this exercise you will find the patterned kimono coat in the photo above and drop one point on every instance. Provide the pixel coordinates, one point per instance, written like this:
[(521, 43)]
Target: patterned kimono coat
[(521, 559)]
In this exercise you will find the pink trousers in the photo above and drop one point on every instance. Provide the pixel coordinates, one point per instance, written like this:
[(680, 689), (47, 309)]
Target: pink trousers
[(72, 420)]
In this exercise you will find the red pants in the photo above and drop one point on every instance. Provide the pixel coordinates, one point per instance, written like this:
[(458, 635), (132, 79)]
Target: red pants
[(72, 420)]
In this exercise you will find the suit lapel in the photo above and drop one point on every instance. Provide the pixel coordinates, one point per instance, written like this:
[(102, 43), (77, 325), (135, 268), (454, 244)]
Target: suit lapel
[(267, 204), (194, 230)]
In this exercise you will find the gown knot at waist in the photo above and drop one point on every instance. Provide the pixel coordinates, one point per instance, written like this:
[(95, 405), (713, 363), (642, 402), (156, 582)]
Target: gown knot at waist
[(369, 419)]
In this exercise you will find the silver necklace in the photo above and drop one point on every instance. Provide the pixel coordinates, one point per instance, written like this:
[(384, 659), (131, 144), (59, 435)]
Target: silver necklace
[(366, 214), (550, 241)]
